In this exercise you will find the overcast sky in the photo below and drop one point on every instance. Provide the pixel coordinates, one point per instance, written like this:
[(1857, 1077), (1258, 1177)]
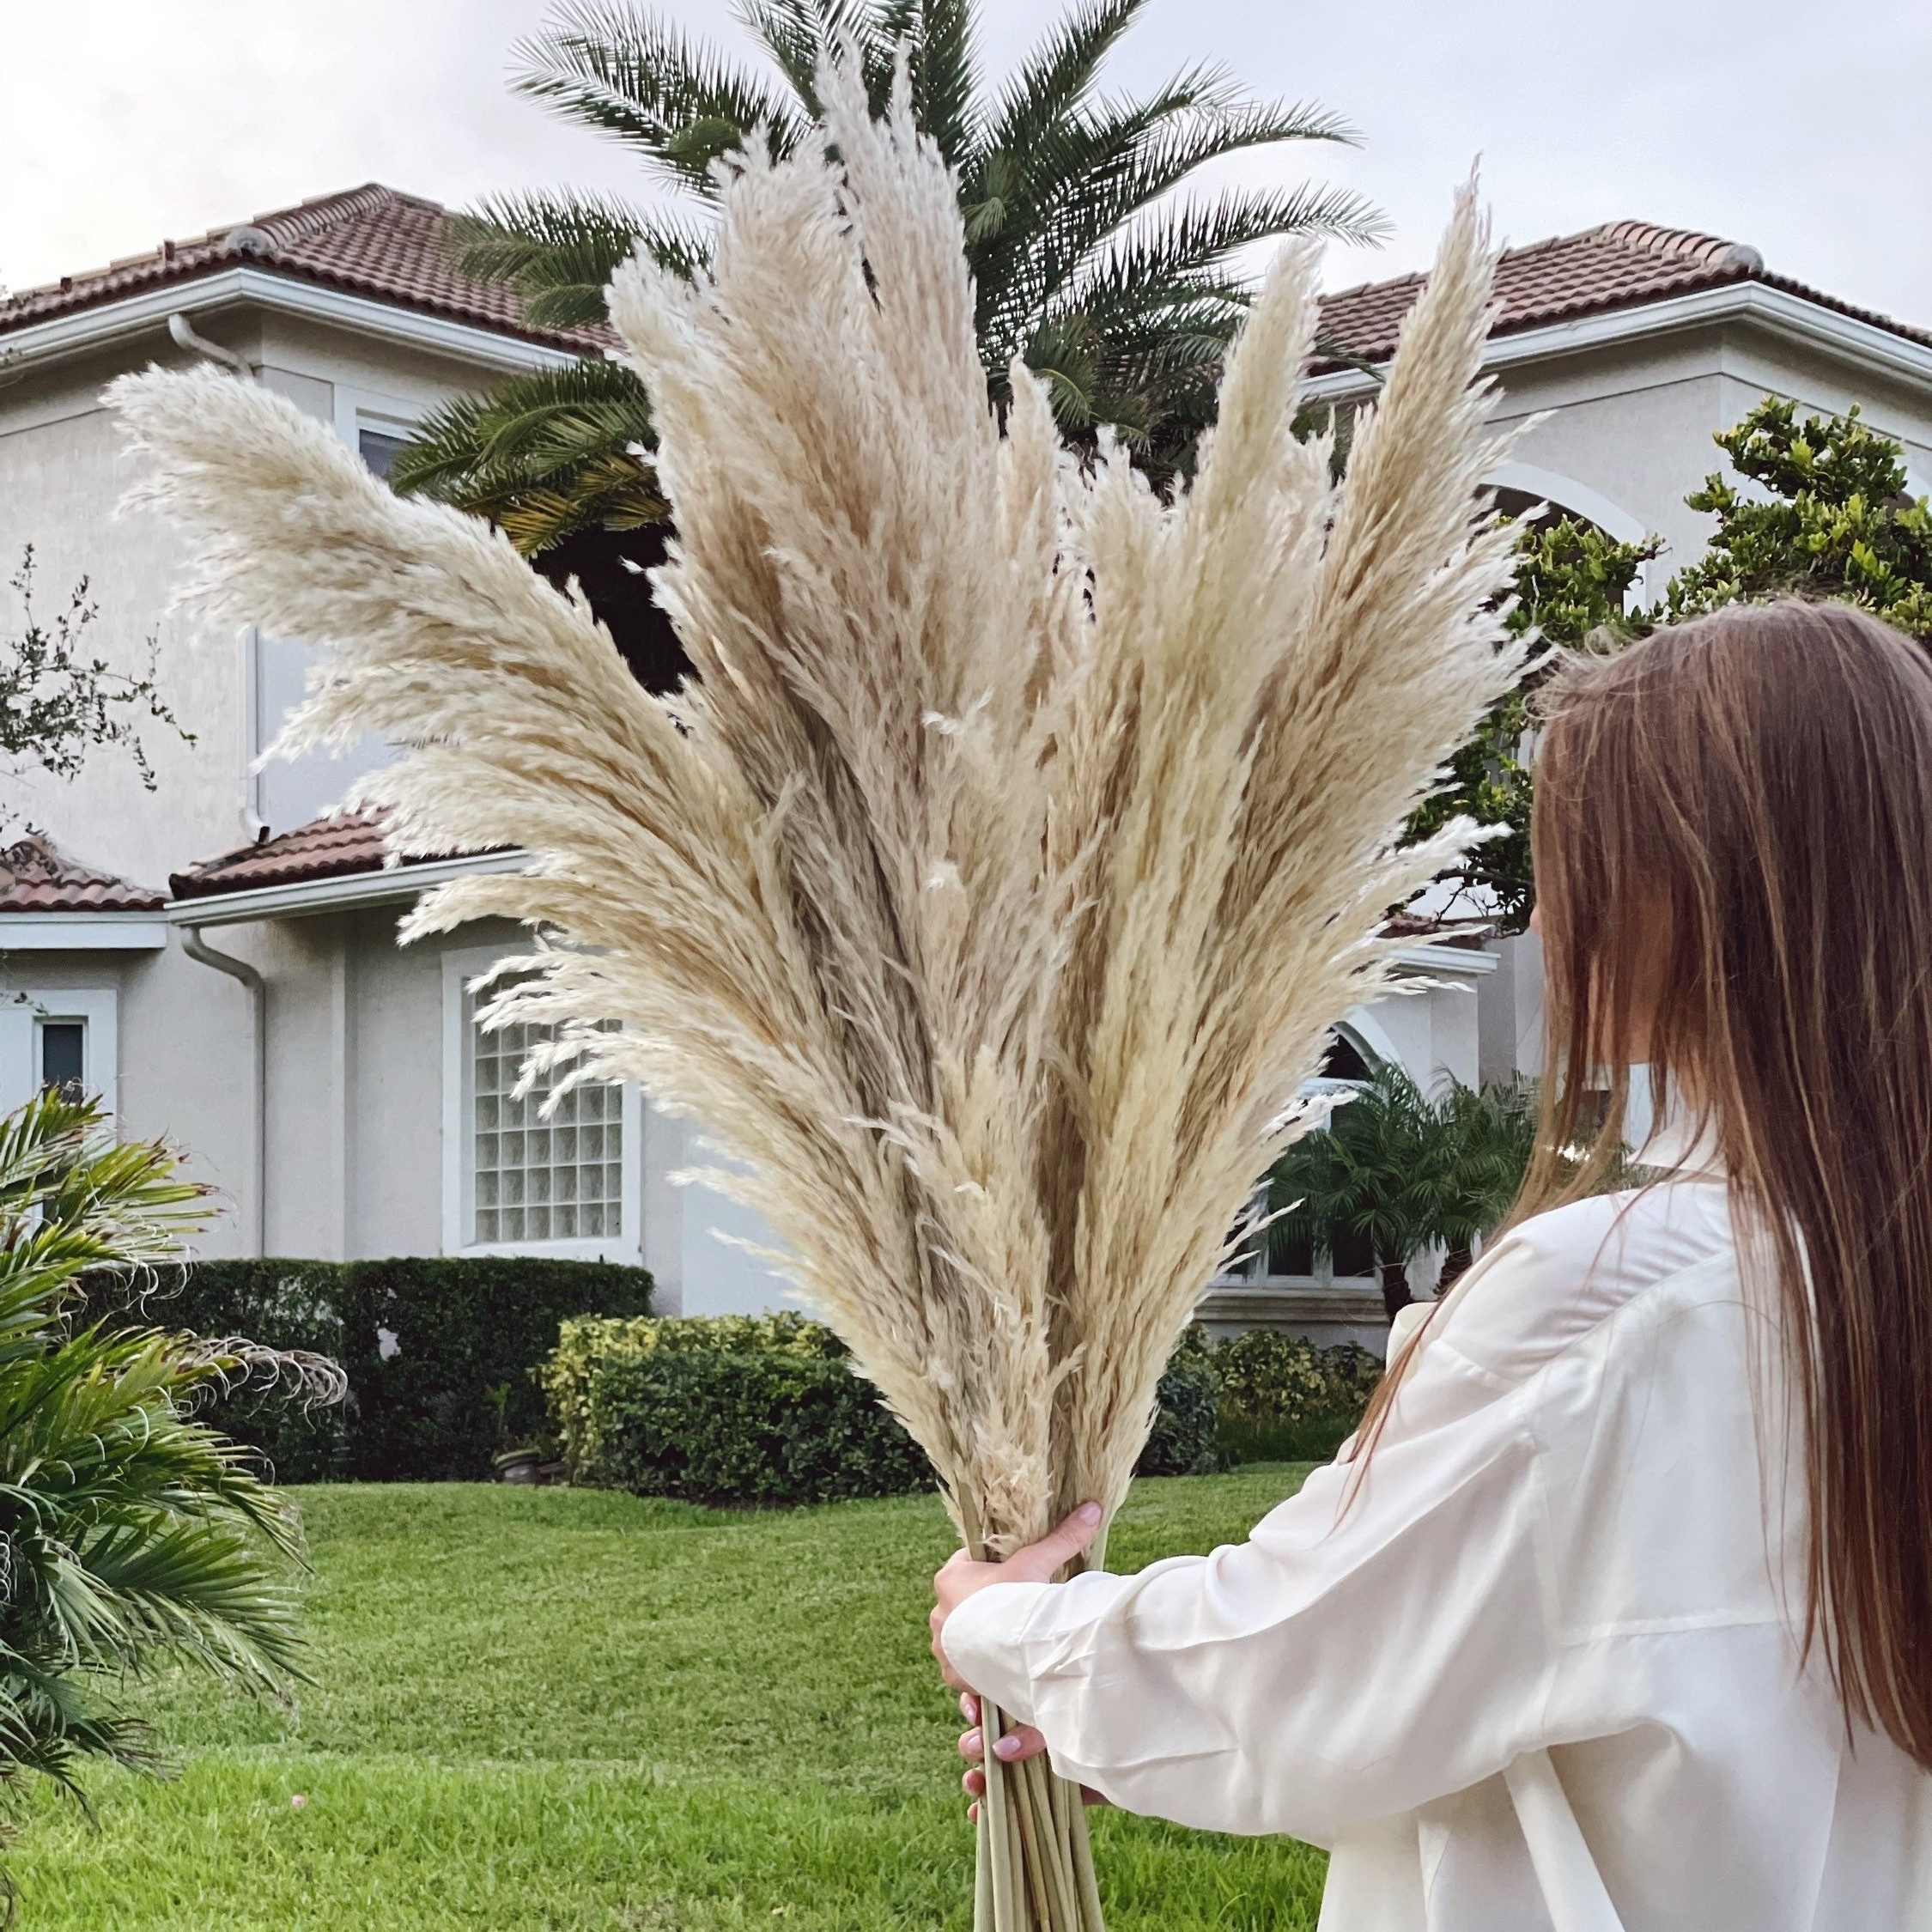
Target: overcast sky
[(1801, 128)]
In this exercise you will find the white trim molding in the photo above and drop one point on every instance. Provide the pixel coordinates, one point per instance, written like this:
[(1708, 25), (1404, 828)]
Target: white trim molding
[(137, 314), (21, 1014), (384, 885), (1809, 323), (83, 932), (1437, 959), (1567, 493)]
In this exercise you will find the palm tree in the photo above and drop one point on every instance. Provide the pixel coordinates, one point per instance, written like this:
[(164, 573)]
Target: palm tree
[(1405, 1172), (1493, 1129), (133, 1535), (1122, 296)]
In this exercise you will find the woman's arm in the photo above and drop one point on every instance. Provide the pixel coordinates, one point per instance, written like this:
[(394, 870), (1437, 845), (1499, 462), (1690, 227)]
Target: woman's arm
[(1357, 1657)]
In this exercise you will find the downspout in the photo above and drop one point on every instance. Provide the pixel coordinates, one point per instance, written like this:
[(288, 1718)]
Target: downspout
[(198, 950), (186, 336), (183, 331)]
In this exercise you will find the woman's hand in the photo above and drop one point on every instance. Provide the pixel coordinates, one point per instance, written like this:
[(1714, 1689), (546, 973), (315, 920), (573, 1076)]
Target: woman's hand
[(960, 1579), (1014, 1748)]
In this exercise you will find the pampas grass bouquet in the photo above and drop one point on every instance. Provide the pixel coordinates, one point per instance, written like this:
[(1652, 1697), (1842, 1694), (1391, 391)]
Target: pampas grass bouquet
[(990, 891)]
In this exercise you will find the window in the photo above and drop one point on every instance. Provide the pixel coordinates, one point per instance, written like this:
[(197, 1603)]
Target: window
[(377, 448), (533, 1179), (514, 1182), (62, 1057), (62, 1037)]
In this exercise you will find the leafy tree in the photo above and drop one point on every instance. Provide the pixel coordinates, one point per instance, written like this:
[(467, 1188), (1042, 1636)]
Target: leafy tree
[(1085, 265), (1836, 521), (1831, 518), (59, 702), (134, 1537)]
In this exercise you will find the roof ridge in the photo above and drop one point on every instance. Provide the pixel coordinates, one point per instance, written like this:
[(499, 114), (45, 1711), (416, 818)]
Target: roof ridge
[(1692, 245)]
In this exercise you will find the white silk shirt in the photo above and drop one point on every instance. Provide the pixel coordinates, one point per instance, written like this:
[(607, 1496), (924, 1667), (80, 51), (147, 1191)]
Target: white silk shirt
[(1542, 1674)]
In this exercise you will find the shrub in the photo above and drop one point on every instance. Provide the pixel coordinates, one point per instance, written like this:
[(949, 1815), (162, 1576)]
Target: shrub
[(1284, 1399), (1187, 1425), (465, 1335), (766, 1409)]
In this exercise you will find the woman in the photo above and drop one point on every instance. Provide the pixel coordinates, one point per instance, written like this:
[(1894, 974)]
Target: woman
[(1617, 1612)]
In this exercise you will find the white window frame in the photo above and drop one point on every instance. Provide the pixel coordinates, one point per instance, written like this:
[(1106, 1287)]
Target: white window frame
[(460, 967), (357, 409), (21, 1011)]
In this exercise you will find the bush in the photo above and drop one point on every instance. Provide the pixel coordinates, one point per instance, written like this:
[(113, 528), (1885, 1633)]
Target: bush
[(766, 1409), (1186, 1425), (1284, 1399), (465, 1334)]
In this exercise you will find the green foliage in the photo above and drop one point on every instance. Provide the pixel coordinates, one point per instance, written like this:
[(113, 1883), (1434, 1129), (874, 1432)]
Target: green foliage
[(1085, 265), (134, 1536), (1830, 517), (545, 455), (1571, 582), (59, 702), (1406, 1172), (569, 1710), (767, 1410), (1184, 1440), (469, 1333), (1839, 523), (1281, 1393)]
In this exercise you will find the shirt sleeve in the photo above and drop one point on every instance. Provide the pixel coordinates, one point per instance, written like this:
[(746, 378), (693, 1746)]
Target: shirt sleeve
[(1361, 1654)]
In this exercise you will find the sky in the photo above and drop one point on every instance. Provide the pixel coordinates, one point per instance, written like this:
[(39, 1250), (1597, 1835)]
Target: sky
[(1800, 128)]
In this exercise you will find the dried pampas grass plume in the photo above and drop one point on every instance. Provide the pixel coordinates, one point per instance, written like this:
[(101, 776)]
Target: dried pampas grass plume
[(995, 885)]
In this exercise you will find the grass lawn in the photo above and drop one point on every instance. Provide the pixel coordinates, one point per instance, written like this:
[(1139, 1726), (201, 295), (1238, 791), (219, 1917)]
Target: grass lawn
[(565, 1710)]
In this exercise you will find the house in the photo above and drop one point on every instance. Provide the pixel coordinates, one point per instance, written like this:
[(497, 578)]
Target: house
[(218, 958)]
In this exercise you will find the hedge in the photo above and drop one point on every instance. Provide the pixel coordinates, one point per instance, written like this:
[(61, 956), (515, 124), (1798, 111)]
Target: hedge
[(767, 1410), (464, 1336)]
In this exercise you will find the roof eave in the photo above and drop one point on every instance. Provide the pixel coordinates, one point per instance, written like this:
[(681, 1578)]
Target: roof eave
[(344, 892), (284, 292), (1793, 317), (94, 931)]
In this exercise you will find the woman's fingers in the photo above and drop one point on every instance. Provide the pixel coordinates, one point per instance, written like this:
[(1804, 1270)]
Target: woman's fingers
[(969, 1707), (1014, 1748)]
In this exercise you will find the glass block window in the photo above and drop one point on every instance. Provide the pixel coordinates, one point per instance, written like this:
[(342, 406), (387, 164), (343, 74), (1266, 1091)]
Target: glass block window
[(559, 1178)]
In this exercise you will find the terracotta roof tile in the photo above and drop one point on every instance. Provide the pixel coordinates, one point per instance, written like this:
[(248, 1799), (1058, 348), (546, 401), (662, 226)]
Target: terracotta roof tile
[(336, 847), (1618, 266), (323, 848), (36, 876), (370, 240)]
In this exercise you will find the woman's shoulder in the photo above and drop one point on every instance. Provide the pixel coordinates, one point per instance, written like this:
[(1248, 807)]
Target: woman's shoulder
[(1558, 1276)]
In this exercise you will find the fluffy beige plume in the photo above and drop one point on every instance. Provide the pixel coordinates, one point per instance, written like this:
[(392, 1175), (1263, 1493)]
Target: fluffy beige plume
[(994, 886)]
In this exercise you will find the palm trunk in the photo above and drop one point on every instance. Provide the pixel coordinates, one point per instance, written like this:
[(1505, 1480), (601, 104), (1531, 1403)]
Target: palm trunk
[(1395, 1296), (1456, 1264)]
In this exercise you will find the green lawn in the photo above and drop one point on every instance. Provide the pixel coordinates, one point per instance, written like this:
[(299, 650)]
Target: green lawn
[(565, 1710)]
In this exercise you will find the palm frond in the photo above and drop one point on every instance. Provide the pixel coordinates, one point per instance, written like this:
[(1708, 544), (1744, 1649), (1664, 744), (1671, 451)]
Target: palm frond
[(130, 1534), (632, 74), (559, 251), (797, 35), (1055, 81), (544, 455), (1167, 259), (944, 80)]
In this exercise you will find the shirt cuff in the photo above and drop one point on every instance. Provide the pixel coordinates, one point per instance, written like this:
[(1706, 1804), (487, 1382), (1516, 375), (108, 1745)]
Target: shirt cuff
[(984, 1639)]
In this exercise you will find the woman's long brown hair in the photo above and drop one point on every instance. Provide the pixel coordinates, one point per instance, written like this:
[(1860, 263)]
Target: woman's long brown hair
[(1733, 842)]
